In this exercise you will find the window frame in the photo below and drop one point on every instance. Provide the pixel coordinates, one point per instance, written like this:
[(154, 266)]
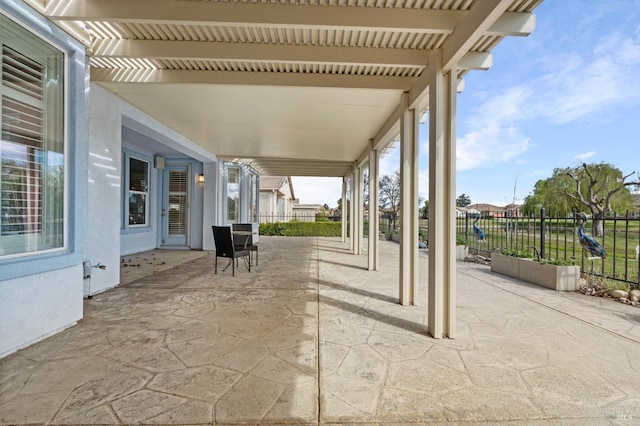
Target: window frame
[(125, 226), (238, 207), (28, 47), (254, 197)]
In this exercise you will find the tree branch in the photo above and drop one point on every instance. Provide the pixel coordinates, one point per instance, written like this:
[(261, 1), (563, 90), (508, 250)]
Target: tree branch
[(579, 197)]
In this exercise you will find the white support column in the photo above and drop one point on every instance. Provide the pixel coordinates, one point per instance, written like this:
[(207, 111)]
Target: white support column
[(210, 215), (352, 214), (408, 207), (442, 185), (343, 211), (374, 218), (360, 210), (357, 211)]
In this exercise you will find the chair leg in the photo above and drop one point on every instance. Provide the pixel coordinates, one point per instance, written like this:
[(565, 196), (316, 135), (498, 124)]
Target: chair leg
[(216, 269)]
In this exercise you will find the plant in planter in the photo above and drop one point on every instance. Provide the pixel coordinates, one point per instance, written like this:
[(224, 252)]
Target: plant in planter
[(548, 273), (462, 251)]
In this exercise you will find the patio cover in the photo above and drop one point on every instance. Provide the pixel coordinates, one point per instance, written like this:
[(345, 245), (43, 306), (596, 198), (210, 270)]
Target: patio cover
[(309, 88), (302, 87)]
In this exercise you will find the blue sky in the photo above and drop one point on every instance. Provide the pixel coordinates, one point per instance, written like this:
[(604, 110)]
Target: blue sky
[(568, 93)]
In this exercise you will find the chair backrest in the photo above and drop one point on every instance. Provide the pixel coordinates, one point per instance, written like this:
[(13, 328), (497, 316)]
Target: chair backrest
[(246, 227), (223, 241)]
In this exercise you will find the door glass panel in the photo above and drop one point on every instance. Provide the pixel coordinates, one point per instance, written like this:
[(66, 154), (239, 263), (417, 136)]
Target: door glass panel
[(233, 194), (177, 202)]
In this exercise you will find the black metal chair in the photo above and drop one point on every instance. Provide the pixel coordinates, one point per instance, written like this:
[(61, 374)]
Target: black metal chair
[(225, 248), (245, 242)]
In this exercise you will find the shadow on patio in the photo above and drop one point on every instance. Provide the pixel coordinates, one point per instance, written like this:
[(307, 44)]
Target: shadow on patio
[(309, 337)]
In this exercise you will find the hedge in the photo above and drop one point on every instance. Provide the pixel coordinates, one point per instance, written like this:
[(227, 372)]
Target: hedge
[(302, 229)]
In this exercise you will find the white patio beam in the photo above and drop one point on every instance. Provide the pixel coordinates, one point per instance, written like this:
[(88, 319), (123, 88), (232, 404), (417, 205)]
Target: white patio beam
[(257, 14), (480, 18), (479, 61), (110, 75), (513, 24), (277, 16), (256, 52)]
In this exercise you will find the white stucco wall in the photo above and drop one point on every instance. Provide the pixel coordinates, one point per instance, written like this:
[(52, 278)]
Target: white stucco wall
[(41, 293), (144, 238), (268, 207), (104, 199), (53, 302)]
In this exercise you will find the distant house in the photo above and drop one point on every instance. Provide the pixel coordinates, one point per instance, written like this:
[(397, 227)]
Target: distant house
[(489, 210), (276, 199), (306, 212), (513, 210), (467, 211)]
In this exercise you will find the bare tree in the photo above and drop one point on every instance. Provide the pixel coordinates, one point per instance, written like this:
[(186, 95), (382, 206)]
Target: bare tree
[(390, 191), (596, 187)]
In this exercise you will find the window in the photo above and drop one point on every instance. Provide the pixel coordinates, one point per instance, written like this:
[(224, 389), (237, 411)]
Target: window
[(254, 193), (32, 160), (280, 209), (233, 193), (138, 192)]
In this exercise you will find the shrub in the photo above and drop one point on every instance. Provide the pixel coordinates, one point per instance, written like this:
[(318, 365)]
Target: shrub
[(517, 253), (302, 229)]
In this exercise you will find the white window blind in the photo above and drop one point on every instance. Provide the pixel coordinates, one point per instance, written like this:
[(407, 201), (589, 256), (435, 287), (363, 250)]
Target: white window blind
[(177, 202), (22, 143), (32, 161)]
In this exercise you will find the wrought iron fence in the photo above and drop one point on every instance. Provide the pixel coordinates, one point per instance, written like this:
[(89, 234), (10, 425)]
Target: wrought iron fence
[(555, 237), (548, 237)]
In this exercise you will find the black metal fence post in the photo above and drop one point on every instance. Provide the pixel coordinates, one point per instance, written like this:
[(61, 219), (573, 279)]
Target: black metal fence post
[(466, 227), (543, 232)]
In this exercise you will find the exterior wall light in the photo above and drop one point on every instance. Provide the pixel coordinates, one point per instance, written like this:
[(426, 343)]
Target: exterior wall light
[(200, 178)]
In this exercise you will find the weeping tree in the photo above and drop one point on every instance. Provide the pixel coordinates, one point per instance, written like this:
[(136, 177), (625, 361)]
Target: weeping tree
[(595, 188)]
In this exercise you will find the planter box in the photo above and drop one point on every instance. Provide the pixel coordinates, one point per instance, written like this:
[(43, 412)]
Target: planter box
[(555, 277), (462, 252)]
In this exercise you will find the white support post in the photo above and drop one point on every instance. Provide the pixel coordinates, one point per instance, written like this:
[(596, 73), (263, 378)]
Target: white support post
[(356, 202), (374, 218), (352, 214), (360, 209), (442, 185), (408, 206), (343, 210)]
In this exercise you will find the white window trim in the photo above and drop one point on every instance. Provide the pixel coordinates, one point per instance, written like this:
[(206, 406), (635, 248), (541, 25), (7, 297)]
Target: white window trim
[(66, 81)]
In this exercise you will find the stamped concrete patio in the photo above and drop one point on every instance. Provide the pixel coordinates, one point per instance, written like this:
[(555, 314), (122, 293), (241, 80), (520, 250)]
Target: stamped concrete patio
[(310, 337)]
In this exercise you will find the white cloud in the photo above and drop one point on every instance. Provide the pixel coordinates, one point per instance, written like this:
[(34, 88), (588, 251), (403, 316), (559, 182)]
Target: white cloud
[(584, 156), (423, 183), (317, 190), (390, 163), (489, 145), (580, 86), (574, 87)]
